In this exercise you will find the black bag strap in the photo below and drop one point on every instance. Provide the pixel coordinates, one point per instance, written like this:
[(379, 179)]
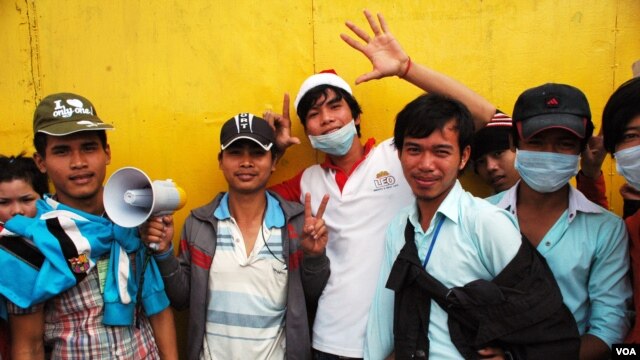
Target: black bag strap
[(411, 305)]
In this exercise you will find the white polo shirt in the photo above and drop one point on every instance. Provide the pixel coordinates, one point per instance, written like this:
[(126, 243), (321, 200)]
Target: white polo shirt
[(356, 217)]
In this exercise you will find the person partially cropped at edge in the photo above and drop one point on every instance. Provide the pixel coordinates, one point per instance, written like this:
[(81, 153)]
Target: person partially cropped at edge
[(621, 131)]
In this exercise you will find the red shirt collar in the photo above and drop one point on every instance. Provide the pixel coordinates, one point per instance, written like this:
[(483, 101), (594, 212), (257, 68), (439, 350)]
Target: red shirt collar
[(327, 164)]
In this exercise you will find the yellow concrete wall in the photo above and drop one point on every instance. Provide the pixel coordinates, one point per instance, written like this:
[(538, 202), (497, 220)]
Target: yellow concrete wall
[(168, 74)]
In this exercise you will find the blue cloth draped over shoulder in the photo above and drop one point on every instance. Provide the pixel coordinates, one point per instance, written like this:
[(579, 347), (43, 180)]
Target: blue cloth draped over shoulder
[(71, 242)]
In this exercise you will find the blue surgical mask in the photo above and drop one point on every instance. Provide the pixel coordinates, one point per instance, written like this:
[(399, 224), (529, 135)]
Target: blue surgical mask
[(336, 143), (546, 172), (628, 165)]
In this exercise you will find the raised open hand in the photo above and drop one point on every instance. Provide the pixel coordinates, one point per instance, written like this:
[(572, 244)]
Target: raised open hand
[(383, 50), (314, 236)]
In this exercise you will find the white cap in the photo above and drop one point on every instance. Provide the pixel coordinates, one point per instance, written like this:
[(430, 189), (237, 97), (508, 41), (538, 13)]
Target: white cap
[(326, 77)]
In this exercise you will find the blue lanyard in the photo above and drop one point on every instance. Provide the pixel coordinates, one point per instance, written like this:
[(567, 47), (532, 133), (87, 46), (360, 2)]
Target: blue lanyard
[(433, 241)]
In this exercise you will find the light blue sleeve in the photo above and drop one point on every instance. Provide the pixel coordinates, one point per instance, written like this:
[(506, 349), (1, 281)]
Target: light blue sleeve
[(498, 238), (609, 284), (378, 342)]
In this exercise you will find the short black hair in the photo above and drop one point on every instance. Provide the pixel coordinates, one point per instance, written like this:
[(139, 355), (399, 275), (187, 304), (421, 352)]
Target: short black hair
[(622, 106), (321, 91), (430, 112), (23, 168), (40, 141)]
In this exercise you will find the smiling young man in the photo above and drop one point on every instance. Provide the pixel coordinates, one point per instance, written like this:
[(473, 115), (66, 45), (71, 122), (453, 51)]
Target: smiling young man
[(455, 238), (251, 265), (92, 312), (621, 131), (584, 244)]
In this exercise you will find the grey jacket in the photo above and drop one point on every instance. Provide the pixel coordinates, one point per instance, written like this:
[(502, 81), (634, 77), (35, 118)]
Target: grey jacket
[(186, 277)]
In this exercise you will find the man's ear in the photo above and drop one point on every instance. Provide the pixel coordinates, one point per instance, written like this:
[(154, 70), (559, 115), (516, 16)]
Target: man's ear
[(464, 157), (39, 160), (274, 161), (107, 150)]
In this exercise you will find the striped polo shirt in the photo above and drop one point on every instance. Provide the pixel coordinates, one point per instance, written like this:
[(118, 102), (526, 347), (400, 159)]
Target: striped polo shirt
[(247, 292)]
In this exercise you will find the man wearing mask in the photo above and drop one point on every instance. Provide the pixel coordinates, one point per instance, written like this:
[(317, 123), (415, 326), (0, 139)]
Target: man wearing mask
[(621, 131), (493, 155), (584, 245)]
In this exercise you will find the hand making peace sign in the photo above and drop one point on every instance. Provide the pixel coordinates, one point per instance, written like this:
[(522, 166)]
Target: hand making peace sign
[(314, 236)]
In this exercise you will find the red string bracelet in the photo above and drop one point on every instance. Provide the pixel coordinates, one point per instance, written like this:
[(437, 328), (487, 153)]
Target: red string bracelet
[(407, 69)]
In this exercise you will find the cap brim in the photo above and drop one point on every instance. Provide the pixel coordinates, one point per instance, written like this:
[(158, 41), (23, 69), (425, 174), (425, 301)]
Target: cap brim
[(572, 123), (266, 145), (62, 129)]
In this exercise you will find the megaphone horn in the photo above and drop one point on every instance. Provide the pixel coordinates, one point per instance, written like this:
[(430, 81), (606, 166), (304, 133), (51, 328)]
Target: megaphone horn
[(130, 197)]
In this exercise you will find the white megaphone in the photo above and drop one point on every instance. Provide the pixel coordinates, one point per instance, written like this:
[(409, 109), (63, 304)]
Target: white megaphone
[(130, 197)]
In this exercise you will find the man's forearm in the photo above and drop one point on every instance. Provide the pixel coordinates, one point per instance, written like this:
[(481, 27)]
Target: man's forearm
[(27, 336), (432, 81)]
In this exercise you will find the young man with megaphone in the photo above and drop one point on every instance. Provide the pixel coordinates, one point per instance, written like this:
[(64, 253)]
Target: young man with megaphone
[(96, 264), (251, 265)]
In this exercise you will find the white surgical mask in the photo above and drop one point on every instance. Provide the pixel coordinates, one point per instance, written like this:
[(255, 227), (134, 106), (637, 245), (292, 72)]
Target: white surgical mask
[(336, 143), (628, 165), (546, 172)]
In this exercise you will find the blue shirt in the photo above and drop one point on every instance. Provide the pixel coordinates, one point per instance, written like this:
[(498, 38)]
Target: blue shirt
[(476, 241), (273, 218), (587, 251)]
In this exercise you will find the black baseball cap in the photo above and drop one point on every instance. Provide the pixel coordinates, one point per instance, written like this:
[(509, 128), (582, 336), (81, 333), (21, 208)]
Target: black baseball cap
[(552, 106), (250, 127)]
